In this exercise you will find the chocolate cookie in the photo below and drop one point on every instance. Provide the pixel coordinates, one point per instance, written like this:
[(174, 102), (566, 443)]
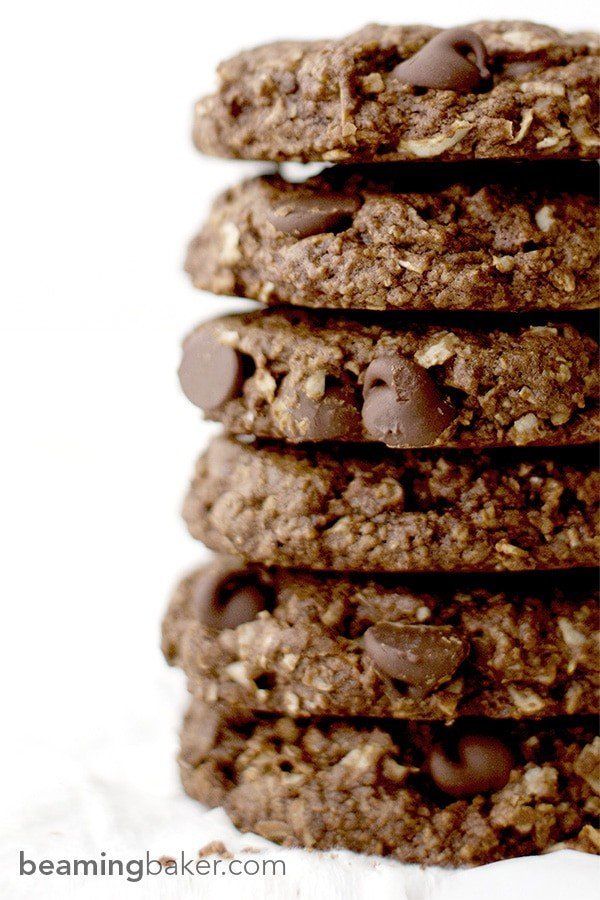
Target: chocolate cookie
[(489, 90), (301, 644), (481, 236), (306, 377), (422, 793), (390, 511)]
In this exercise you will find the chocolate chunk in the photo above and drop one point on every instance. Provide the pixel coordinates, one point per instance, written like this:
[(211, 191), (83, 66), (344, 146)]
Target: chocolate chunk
[(228, 594), (483, 765), (210, 373), (402, 404), (306, 214), (444, 63), (423, 656)]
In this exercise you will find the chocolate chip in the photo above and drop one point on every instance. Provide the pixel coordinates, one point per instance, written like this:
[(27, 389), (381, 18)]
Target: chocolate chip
[(308, 214), (483, 765), (402, 404), (210, 373), (334, 415), (422, 656), (443, 63), (227, 594)]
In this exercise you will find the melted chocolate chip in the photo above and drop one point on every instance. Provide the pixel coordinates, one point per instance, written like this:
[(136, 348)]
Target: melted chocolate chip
[(422, 656), (443, 63), (307, 214), (484, 764), (402, 404), (227, 594), (210, 373)]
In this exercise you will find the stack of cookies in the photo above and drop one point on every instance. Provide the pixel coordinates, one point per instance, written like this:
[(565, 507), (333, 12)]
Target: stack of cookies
[(396, 649)]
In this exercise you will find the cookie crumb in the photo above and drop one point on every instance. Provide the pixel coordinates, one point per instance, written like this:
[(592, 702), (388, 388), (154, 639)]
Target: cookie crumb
[(215, 848)]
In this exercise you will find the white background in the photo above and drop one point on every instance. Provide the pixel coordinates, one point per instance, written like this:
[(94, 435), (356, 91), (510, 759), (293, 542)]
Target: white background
[(101, 190)]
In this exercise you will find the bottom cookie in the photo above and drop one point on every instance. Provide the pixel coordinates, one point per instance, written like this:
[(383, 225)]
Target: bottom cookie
[(420, 792)]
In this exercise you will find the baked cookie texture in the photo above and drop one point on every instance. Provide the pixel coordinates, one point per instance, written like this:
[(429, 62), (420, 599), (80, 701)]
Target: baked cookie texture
[(426, 648), (306, 377), (373, 787), (383, 511), (398, 651), (342, 101), (421, 237)]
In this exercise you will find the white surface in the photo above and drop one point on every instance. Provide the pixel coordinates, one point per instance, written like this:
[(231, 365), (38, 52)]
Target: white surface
[(100, 192)]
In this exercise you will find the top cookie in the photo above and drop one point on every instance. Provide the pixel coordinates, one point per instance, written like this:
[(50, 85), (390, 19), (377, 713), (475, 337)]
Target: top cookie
[(494, 90)]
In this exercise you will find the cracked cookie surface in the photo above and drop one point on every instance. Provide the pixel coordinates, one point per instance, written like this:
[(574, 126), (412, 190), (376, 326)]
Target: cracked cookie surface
[(340, 100)]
